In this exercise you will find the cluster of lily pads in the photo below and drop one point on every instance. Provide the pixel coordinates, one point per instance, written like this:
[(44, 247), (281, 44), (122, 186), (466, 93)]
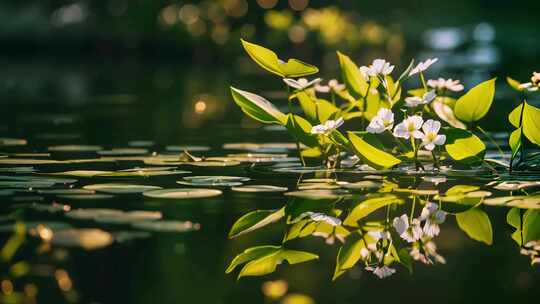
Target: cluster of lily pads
[(391, 125)]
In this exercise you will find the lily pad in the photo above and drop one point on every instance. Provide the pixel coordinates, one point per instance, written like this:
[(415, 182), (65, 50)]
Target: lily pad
[(75, 148), (167, 226), (86, 238), (259, 188), (319, 194), (182, 193), (115, 188)]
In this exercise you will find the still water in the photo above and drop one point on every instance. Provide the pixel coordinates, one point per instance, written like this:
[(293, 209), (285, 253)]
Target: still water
[(68, 129)]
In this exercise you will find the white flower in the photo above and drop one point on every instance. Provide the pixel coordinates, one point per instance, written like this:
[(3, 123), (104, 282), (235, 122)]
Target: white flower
[(384, 120), (426, 252), (379, 235), (378, 67), (414, 101), (333, 85), (321, 217), (410, 233), (422, 66), (409, 127), (431, 135), (445, 84), (302, 83), (327, 127), (433, 217), (381, 272), (533, 85)]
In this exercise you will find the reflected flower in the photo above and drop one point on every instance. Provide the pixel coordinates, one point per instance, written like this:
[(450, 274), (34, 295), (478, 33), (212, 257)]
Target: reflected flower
[(381, 271), (533, 85), (333, 85), (423, 66), (377, 67), (409, 127), (327, 127), (445, 84), (426, 252), (431, 135), (414, 101), (384, 120), (411, 233), (302, 83), (433, 217), (379, 235), (319, 217)]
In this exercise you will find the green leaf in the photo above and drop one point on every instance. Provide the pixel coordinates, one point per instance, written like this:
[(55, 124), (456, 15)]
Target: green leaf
[(267, 264), (463, 146), (251, 254), (530, 122), (372, 156), (326, 110), (476, 102), (515, 116), (476, 224), (301, 130), (269, 61), (368, 206), (255, 220), (257, 107), (354, 80), (515, 141), (531, 226), (373, 104), (349, 254), (308, 105), (514, 84)]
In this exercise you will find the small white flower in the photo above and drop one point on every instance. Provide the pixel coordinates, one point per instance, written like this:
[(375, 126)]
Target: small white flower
[(433, 217), (431, 135), (409, 127), (414, 101), (379, 235), (423, 66), (384, 120), (302, 83), (381, 272), (327, 127), (445, 84), (333, 85), (410, 233), (426, 252), (377, 67), (321, 217), (534, 85)]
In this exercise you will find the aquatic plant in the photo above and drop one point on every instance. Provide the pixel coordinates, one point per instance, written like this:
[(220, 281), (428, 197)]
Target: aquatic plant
[(431, 120)]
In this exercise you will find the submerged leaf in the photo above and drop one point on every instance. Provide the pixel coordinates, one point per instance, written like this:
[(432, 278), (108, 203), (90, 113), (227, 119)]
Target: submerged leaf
[(476, 224)]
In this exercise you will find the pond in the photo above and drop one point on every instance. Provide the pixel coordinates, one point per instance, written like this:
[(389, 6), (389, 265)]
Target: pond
[(108, 199)]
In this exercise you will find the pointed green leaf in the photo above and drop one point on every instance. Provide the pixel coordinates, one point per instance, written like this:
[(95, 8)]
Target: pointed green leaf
[(530, 123), (255, 220), (301, 130), (354, 80), (267, 264), (476, 224), (349, 254), (531, 225), (476, 102), (371, 155), (269, 61), (463, 146), (514, 84), (251, 254), (515, 141), (513, 218), (257, 107), (368, 206)]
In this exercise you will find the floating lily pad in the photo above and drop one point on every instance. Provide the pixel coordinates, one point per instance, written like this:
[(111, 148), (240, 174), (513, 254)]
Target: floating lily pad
[(187, 148), (12, 141), (65, 191), (81, 173), (115, 188), (182, 193), (28, 184), (166, 226), (75, 148), (95, 196), (319, 194), (516, 185), (261, 147), (304, 170), (212, 180), (123, 151), (18, 170), (362, 185), (259, 188), (86, 238), (126, 236), (141, 143)]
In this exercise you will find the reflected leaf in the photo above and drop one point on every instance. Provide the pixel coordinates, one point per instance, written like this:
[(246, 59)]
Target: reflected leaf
[(86, 238), (166, 226), (114, 188), (182, 193), (476, 224), (368, 206)]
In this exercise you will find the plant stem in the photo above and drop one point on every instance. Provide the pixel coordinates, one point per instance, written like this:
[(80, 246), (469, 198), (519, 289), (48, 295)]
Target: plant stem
[(415, 151), (293, 124), (490, 139), (423, 81), (412, 209), (435, 160)]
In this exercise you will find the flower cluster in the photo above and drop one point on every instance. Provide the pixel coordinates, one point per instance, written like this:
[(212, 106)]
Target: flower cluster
[(421, 237), (533, 85), (327, 127)]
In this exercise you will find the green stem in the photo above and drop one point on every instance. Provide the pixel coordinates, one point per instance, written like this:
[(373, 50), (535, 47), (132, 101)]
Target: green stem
[(415, 151), (490, 139), (423, 81), (435, 160), (293, 121), (412, 209)]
